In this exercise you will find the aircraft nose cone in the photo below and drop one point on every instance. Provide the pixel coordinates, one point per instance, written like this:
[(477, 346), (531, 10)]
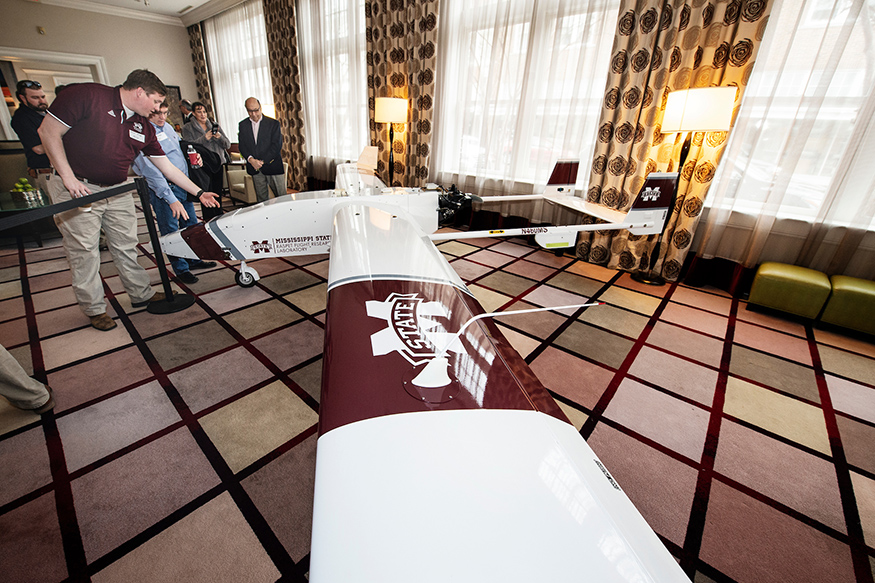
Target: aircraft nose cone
[(174, 244)]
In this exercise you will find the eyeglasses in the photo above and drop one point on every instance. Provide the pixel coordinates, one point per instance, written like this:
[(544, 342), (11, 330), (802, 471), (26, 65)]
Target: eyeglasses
[(22, 85), (257, 109)]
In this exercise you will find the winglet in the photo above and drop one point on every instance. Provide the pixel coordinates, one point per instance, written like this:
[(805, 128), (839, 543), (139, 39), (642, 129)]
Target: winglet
[(563, 178), (367, 162), (653, 203), (361, 177)]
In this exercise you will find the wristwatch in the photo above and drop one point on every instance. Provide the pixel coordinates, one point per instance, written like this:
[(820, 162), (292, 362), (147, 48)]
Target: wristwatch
[(200, 192)]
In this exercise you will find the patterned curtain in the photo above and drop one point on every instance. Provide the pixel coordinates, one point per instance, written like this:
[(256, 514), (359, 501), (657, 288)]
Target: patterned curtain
[(201, 72), (663, 46), (282, 46), (401, 55)]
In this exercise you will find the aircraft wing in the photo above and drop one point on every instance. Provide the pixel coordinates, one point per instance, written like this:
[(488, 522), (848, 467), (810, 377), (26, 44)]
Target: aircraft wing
[(300, 224), (442, 457)]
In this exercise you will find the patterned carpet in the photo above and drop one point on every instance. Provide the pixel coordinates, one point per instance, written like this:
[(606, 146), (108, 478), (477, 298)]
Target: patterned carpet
[(182, 447)]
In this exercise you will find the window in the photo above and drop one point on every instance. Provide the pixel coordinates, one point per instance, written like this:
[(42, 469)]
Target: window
[(236, 44), (331, 37), (805, 119), (521, 86)]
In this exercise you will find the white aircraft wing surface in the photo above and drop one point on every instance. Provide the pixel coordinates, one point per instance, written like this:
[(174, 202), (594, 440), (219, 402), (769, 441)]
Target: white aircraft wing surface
[(442, 457)]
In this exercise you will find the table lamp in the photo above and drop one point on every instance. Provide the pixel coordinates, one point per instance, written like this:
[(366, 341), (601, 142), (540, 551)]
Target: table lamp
[(390, 110), (705, 109)]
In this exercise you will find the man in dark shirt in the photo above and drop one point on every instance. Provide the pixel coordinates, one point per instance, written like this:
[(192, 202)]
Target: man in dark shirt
[(92, 134), (32, 106)]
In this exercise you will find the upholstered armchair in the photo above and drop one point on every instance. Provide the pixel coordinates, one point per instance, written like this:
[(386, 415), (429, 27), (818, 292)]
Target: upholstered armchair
[(240, 185)]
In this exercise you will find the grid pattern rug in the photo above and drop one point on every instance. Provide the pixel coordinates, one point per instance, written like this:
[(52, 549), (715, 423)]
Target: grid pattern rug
[(182, 447)]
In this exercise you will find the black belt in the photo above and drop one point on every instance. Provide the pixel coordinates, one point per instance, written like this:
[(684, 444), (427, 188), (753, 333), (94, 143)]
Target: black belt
[(42, 170), (94, 182), (100, 184)]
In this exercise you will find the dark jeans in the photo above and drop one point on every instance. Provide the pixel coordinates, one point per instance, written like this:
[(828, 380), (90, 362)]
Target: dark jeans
[(167, 223)]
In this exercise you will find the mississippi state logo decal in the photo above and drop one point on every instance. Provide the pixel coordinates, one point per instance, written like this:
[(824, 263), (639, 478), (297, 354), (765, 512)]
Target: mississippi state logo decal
[(261, 246), (650, 194), (413, 328)]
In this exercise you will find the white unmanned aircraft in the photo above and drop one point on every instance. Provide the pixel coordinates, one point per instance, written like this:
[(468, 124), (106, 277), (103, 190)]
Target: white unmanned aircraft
[(440, 456)]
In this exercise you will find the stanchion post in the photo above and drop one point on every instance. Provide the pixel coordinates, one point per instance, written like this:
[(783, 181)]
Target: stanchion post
[(172, 303)]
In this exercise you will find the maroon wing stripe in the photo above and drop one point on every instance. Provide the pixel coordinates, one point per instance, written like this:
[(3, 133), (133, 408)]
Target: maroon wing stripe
[(358, 384)]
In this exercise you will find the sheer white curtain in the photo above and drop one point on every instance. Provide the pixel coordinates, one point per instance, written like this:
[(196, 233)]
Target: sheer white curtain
[(796, 183), (521, 83), (236, 44), (331, 38)]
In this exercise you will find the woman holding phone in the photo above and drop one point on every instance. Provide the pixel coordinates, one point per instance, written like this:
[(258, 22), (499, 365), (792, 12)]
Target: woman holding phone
[(206, 132)]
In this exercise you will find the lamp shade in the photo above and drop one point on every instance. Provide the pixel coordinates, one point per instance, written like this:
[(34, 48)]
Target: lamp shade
[(390, 110), (707, 109)]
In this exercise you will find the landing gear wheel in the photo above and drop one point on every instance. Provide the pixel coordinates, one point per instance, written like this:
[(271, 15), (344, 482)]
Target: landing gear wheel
[(244, 279)]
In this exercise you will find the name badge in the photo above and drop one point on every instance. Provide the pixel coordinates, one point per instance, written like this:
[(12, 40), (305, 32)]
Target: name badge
[(161, 136), (137, 136)]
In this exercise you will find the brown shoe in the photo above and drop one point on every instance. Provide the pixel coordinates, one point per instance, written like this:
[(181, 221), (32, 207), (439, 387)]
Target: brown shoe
[(103, 322), (157, 297), (48, 406)]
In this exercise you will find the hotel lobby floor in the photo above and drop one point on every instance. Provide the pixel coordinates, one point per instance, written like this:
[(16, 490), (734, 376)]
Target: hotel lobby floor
[(182, 447)]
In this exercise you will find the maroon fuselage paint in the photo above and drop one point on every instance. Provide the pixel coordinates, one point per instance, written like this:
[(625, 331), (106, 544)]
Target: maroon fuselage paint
[(202, 243), (486, 373)]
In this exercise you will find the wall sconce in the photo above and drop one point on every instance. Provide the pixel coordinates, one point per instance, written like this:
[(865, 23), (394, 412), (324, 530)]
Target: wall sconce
[(390, 110)]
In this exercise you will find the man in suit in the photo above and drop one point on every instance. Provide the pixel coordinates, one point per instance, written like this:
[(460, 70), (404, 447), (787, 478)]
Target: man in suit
[(261, 143), (185, 110)]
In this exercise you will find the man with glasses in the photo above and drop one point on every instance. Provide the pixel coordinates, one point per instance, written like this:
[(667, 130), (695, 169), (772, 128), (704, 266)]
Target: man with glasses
[(92, 134), (173, 210), (261, 144), (32, 106)]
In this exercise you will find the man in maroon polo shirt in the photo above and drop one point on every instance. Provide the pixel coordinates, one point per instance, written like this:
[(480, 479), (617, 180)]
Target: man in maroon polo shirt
[(92, 135)]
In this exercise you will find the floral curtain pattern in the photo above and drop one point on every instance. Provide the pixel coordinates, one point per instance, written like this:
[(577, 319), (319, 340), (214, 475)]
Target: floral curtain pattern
[(282, 44), (201, 70), (662, 46), (401, 39)]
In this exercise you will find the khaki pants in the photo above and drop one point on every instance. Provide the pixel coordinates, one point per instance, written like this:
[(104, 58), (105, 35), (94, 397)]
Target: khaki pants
[(42, 182), (21, 390), (81, 231)]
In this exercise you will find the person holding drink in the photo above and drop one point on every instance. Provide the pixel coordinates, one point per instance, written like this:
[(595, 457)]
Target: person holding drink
[(173, 209), (207, 133)]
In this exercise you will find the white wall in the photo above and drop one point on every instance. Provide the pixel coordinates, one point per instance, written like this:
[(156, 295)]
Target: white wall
[(125, 44)]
